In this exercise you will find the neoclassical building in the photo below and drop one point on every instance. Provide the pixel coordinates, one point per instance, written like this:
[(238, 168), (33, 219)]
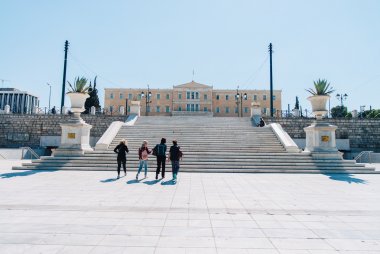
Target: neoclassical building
[(19, 101), (190, 98)]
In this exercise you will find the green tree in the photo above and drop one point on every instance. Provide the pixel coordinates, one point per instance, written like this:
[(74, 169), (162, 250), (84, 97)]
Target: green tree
[(297, 106), (338, 111), (93, 100)]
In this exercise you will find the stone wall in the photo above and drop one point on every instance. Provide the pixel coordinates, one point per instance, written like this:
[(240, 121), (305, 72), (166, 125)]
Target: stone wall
[(362, 133), (26, 130)]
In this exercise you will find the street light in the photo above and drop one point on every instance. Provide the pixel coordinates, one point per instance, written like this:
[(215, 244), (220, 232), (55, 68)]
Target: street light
[(341, 97), (49, 94), (147, 99), (244, 96)]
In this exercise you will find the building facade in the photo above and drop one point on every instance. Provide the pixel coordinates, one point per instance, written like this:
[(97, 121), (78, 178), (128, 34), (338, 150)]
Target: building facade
[(19, 101), (190, 98)]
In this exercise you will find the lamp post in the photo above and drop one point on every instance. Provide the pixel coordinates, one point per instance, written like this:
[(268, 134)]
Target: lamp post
[(49, 95), (341, 97), (147, 99), (238, 96)]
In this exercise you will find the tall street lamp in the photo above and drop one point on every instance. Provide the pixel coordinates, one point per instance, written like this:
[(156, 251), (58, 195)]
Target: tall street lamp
[(241, 97), (147, 99), (49, 94), (341, 97)]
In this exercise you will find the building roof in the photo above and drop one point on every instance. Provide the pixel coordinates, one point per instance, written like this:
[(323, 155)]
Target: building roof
[(192, 84)]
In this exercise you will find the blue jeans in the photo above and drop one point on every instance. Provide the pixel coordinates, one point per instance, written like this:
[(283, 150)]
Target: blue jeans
[(143, 164), (175, 168)]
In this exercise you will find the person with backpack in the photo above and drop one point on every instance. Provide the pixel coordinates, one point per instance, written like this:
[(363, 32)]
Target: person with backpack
[(121, 149), (175, 154), (160, 151), (143, 157)]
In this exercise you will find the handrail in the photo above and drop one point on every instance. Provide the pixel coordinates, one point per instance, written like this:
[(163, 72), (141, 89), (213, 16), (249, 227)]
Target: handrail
[(362, 154), (2, 156), (32, 153)]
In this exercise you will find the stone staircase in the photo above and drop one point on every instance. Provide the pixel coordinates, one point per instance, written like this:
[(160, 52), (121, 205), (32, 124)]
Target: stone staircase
[(209, 144)]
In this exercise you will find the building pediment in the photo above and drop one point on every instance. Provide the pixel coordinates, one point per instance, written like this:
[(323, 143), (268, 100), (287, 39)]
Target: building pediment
[(191, 85)]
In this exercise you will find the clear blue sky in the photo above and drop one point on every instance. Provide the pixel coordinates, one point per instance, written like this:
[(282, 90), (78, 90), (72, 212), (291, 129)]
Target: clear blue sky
[(135, 43)]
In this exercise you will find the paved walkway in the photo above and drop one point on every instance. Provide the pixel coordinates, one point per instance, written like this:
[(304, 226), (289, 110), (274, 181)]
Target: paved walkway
[(91, 212)]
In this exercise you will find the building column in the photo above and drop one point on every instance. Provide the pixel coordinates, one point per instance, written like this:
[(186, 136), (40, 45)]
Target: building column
[(18, 103), (1, 100)]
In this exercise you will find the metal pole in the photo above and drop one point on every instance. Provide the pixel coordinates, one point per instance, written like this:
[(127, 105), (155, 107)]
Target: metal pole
[(241, 105), (64, 76), (49, 95), (271, 79)]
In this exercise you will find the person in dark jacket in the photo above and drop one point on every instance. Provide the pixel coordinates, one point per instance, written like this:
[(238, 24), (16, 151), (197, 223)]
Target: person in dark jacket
[(262, 123), (161, 157), (175, 155), (121, 149)]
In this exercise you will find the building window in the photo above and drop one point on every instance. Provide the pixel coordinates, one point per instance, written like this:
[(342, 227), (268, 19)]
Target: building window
[(227, 97), (158, 96), (167, 96), (148, 109), (205, 109), (188, 107), (111, 109), (179, 108), (227, 110), (236, 110), (180, 96), (111, 95), (264, 97), (167, 109), (196, 107), (264, 110), (245, 109), (188, 95), (130, 96), (139, 96), (205, 97), (217, 109), (192, 107), (121, 96), (274, 97), (158, 109), (217, 97), (197, 95), (255, 97), (192, 95)]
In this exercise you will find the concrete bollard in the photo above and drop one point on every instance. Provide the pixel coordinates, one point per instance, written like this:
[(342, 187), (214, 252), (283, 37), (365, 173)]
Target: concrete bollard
[(93, 109), (7, 109), (121, 110)]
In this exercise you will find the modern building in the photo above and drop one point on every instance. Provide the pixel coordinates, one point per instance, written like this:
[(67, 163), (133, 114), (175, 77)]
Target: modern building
[(19, 101), (190, 98)]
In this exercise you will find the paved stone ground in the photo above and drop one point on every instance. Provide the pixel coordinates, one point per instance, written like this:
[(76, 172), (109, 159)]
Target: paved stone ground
[(91, 212)]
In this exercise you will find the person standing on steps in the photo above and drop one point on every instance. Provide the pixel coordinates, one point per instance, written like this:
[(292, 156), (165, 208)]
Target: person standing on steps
[(143, 157), (160, 150), (175, 154), (121, 149)]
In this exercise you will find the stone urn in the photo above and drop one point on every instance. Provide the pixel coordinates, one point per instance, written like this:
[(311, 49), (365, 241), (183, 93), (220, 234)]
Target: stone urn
[(318, 105), (77, 103)]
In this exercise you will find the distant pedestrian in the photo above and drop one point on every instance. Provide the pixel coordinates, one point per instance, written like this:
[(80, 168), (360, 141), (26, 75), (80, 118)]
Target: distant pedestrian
[(160, 151), (143, 158), (121, 149), (53, 111), (262, 123), (175, 155)]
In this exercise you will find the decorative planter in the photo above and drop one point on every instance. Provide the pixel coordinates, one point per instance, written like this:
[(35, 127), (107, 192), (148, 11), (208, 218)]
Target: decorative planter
[(77, 101), (318, 105)]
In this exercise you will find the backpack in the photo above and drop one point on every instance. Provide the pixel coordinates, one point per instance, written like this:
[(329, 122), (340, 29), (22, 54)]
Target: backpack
[(180, 153), (161, 150), (154, 150)]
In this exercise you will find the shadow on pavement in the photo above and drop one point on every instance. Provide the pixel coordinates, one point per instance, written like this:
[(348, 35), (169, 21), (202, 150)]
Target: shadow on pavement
[(109, 180), (133, 181), (346, 178), (152, 182), (170, 182), (24, 173)]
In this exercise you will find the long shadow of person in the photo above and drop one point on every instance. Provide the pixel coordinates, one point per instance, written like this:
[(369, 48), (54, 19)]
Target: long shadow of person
[(345, 177), (110, 180), (24, 173), (170, 182), (152, 182), (133, 181)]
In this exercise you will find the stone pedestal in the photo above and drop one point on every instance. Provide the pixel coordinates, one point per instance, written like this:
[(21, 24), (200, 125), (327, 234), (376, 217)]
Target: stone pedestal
[(93, 110), (64, 110), (320, 141), (121, 110), (75, 138), (7, 109), (354, 113), (135, 108)]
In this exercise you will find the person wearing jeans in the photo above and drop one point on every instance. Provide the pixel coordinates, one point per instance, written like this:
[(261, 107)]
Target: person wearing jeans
[(143, 157), (175, 156), (161, 157)]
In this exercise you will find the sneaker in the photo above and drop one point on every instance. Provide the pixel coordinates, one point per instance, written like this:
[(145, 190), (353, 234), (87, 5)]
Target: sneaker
[(118, 177)]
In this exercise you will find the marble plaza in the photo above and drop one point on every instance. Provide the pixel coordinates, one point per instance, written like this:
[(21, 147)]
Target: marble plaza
[(91, 212)]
